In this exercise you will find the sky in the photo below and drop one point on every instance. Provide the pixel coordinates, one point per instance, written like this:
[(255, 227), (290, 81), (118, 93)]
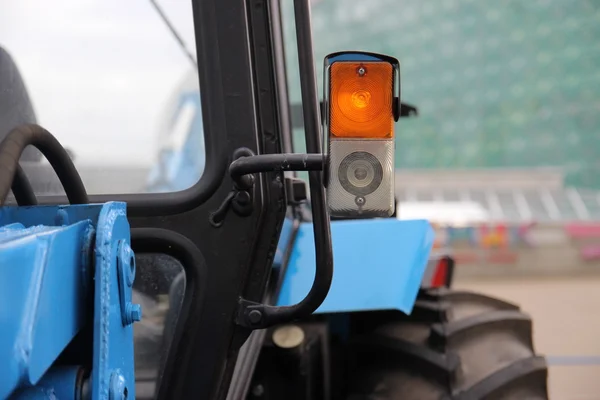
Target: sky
[(99, 72)]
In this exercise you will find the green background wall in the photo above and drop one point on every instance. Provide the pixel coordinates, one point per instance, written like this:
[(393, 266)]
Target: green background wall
[(497, 83)]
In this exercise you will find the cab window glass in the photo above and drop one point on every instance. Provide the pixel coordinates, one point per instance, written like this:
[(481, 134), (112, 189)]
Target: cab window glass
[(113, 84)]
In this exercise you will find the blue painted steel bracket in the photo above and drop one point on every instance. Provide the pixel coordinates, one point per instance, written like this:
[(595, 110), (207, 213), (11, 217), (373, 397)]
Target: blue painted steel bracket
[(41, 291), (46, 256), (113, 366), (379, 264), (56, 384)]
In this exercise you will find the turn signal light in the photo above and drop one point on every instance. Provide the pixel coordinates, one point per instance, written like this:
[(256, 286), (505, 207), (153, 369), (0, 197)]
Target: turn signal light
[(362, 99)]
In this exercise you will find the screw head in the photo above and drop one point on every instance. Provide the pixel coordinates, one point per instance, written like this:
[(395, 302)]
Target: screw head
[(288, 336), (118, 387), (255, 316), (361, 71), (61, 218), (243, 198), (258, 390), (134, 312), (127, 259)]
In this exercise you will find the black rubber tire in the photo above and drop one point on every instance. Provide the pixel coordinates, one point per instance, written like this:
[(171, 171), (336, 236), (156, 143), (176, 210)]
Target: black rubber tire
[(455, 345)]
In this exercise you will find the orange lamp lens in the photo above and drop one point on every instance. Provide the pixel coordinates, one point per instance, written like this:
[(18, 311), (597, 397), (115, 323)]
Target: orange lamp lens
[(361, 100)]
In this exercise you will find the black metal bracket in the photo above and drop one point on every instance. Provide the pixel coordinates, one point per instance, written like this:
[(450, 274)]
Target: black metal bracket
[(255, 315), (240, 197), (406, 111), (242, 168), (245, 164), (258, 316)]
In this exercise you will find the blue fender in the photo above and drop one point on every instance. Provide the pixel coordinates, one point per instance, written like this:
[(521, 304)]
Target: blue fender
[(378, 265)]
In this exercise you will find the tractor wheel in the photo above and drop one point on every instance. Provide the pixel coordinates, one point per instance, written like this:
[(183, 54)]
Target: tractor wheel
[(455, 345)]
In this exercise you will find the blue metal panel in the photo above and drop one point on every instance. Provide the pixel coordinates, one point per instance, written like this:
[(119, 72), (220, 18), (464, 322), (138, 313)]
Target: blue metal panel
[(46, 254), (49, 215), (113, 367), (58, 383), (379, 264), (40, 273)]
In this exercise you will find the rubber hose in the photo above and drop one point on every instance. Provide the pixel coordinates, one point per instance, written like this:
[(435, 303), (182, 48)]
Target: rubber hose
[(22, 190), (22, 136)]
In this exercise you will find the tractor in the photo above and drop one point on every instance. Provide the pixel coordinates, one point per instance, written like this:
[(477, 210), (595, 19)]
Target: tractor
[(226, 288)]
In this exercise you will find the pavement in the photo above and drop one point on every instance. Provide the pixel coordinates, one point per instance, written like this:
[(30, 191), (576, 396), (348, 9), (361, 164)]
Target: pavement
[(566, 318)]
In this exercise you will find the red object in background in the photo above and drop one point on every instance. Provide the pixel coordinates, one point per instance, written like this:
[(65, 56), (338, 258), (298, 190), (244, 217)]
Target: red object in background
[(440, 277), (591, 253), (443, 274), (577, 231), (502, 257), (493, 236), (491, 256), (466, 258)]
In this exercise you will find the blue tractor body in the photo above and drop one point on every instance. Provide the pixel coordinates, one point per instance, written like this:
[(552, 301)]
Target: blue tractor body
[(66, 275), (380, 263), (67, 254), (76, 258)]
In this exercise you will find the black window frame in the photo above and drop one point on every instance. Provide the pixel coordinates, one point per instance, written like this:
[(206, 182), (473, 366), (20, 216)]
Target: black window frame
[(241, 107), (244, 104), (216, 155), (216, 80)]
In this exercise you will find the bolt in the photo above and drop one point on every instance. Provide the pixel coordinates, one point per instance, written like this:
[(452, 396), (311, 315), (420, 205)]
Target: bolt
[(258, 390), (133, 313), (361, 71), (288, 336), (242, 198), (245, 182), (118, 389), (127, 260), (61, 218), (360, 201), (255, 316)]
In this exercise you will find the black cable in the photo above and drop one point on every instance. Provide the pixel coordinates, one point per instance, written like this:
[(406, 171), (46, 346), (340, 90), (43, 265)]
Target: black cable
[(22, 190), (12, 147)]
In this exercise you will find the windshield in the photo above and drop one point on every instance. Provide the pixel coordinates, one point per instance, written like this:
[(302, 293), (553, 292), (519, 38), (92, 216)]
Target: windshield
[(110, 80)]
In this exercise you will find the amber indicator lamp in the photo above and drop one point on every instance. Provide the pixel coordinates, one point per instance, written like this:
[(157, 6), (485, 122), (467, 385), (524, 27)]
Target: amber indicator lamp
[(361, 100)]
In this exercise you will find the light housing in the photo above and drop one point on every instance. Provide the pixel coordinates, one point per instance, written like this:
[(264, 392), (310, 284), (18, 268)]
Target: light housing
[(361, 104)]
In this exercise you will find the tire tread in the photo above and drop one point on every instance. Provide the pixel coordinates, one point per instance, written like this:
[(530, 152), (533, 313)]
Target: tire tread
[(443, 359)]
